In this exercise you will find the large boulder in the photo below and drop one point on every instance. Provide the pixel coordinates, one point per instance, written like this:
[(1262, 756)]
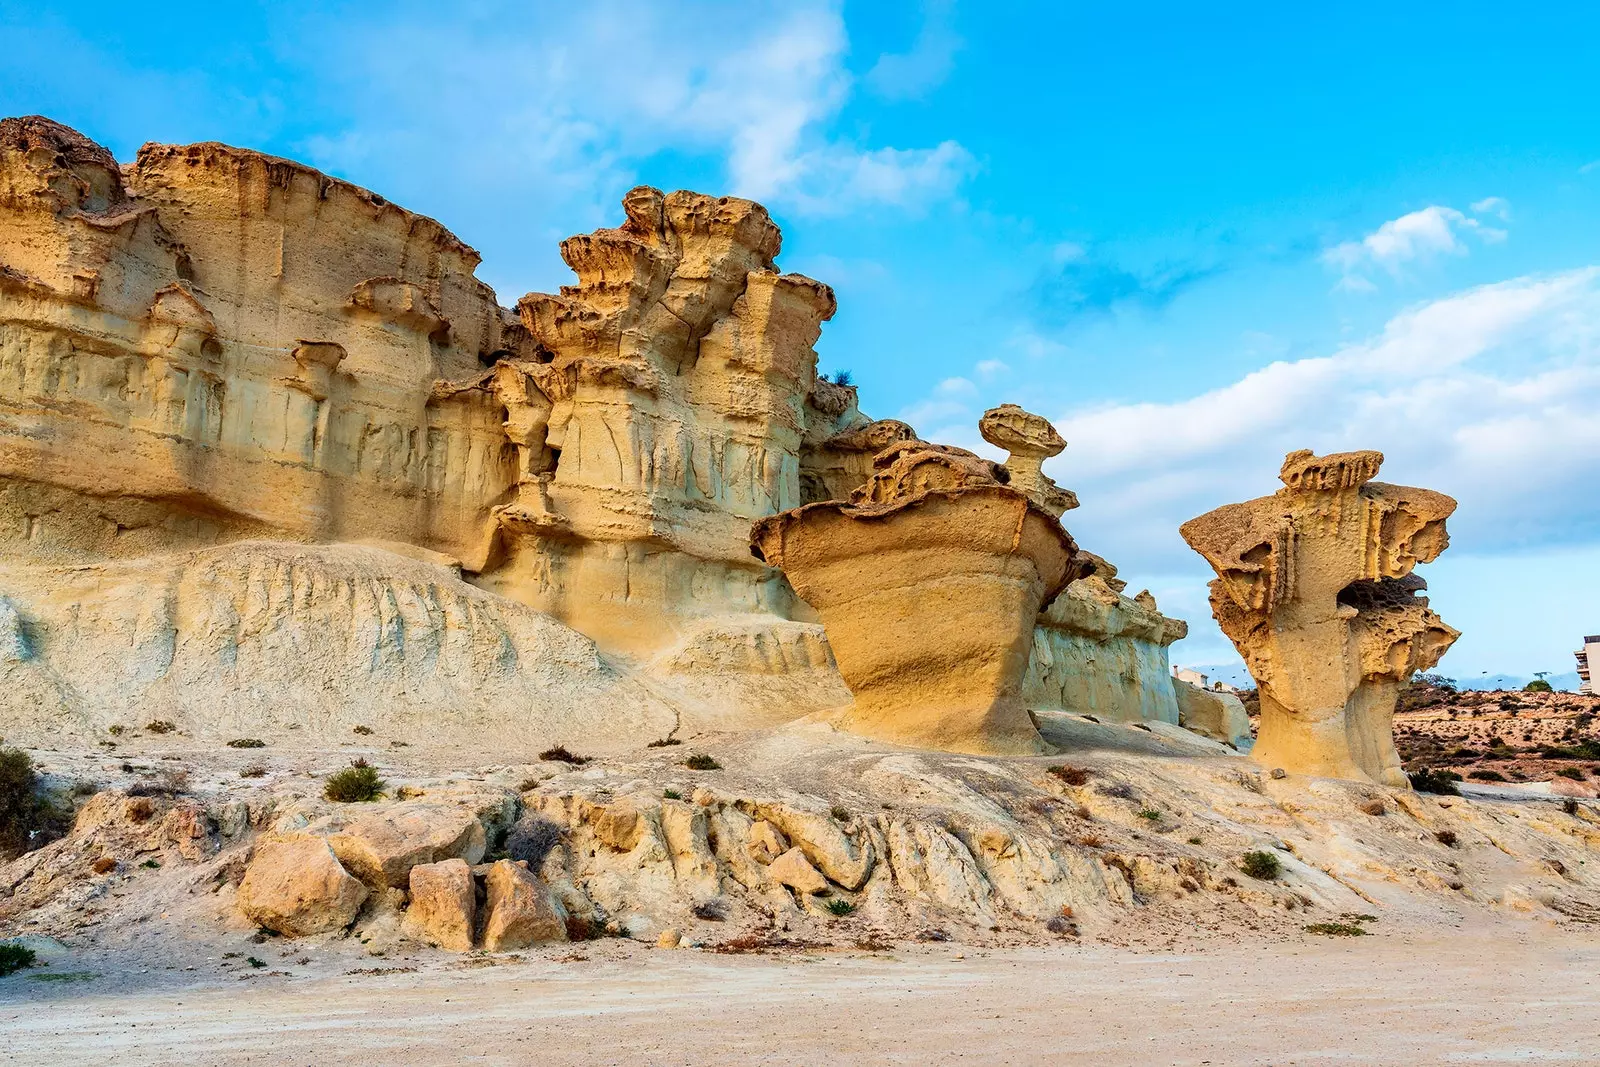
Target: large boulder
[(296, 886), (381, 848), (522, 910), (444, 904), (1212, 713)]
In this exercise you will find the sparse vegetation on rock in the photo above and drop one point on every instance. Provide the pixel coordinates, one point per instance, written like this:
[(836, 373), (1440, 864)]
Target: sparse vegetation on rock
[(1262, 865), (355, 784)]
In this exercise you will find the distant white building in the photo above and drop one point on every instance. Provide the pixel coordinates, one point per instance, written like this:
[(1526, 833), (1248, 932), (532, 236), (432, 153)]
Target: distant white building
[(1591, 647), (1200, 681)]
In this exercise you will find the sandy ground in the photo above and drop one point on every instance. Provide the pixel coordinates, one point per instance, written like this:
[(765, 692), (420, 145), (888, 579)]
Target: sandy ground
[(1504, 991)]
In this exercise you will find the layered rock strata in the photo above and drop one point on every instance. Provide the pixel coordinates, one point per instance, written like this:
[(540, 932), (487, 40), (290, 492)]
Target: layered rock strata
[(928, 582), (1314, 587)]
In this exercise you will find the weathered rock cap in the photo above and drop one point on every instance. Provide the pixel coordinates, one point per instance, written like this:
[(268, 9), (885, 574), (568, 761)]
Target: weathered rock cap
[(1020, 432), (1302, 469)]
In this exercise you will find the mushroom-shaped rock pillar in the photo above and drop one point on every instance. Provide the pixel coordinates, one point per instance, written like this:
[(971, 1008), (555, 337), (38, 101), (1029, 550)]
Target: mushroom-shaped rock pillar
[(1314, 587), (1031, 440), (928, 581)]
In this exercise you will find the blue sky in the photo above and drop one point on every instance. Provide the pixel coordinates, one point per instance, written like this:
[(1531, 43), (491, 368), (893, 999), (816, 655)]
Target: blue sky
[(1196, 238)]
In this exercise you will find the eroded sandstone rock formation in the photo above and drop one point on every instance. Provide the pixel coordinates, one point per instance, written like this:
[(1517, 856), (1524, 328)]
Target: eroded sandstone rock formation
[(1314, 587), (219, 371), (929, 581)]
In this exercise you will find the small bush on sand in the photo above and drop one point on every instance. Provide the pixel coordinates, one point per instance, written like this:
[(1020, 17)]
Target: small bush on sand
[(14, 957), (702, 762), (531, 839), (363, 731), (160, 726), (1337, 930), (665, 742), (1071, 775), (1150, 815), (255, 770), (1262, 865), (1446, 838), (356, 784), (247, 742), (559, 754), (1428, 780)]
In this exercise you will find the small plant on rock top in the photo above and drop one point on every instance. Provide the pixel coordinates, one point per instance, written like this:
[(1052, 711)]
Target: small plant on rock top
[(1262, 865), (702, 762), (839, 814), (356, 784), (671, 794), (839, 906), (559, 754)]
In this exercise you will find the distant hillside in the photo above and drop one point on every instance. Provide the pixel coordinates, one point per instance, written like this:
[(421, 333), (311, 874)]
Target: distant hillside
[(1236, 675)]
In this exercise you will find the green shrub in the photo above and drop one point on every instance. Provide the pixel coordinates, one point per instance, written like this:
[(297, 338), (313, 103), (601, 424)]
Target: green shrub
[(357, 783), (839, 907), (14, 957), (1486, 775), (1428, 780), (1538, 685), (247, 742), (1337, 929), (1150, 814), (160, 726), (1571, 772), (702, 762), (19, 801), (671, 794), (1262, 865)]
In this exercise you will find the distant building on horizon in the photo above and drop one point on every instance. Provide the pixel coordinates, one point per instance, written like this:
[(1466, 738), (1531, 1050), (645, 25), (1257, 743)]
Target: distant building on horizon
[(1200, 681), (1591, 646)]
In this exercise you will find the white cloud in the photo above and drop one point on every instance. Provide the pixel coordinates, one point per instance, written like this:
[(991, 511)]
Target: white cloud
[(1419, 235), (901, 76), (583, 99), (990, 369), (1492, 205), (1488, 395)]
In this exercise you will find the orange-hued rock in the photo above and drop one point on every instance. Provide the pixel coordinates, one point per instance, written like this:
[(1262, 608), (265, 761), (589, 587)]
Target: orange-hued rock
[(520, 908), (928, 582), (1314, 587), (296, 886), (444, 904)]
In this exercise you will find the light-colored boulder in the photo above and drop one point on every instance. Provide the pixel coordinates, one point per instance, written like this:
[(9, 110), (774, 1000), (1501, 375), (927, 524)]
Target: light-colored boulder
[(766, 841), (521, 909), (296, 886), (1211, 713), (444, 904), (928, 583), (1314, 587), (381, 848), (795, 871)]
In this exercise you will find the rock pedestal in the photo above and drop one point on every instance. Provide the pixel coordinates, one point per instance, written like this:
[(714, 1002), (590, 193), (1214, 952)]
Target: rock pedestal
[(928, 582), (1314, 587)]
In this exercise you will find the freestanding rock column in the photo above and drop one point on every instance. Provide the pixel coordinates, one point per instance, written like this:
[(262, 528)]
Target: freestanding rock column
[(928, 582), (1314, 587)]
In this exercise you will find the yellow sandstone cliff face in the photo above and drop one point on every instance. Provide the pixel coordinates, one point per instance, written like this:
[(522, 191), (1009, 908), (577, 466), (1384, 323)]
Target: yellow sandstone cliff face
[(1315, 589), (212, 360)]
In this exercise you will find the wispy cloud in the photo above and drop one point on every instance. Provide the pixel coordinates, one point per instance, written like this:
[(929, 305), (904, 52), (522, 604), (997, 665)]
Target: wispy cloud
[(1082, 283), (907, 75), (584, 100), (1419, 235)]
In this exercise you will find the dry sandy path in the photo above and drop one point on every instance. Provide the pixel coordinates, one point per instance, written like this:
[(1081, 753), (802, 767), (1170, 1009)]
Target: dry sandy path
[(1511, 993)]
